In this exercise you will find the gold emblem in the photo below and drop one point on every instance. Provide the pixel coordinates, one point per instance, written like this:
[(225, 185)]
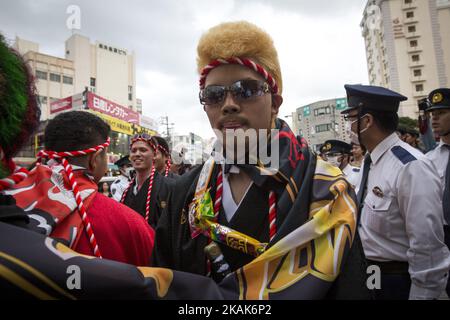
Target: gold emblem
[(183, 217), (163, 204), (437, 97), (378, 192), (327, 147)]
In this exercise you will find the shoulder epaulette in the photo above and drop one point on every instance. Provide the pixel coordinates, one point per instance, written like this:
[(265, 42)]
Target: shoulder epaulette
[(402, 154)]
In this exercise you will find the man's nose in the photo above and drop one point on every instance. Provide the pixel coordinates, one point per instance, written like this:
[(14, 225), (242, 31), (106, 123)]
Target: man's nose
[(230, 105)]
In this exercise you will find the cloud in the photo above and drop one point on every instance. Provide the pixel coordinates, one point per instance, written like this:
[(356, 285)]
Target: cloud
[(319, 44)]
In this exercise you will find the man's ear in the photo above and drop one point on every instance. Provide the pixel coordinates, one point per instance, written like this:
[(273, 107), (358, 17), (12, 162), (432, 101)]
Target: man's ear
[(277, 100), (370, 120), (93, 162)]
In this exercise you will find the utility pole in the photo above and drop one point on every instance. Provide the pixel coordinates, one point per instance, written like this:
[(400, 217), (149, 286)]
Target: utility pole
[(169, 126)]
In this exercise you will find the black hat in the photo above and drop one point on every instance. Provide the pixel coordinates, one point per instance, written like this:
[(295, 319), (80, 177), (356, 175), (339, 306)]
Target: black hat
[(336, 146), (439, 99), (123, 161), (372, 98), (412, 132)]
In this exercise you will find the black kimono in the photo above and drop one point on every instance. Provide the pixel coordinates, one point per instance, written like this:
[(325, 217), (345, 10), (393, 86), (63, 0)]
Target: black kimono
[(158, 198), (308, 192)]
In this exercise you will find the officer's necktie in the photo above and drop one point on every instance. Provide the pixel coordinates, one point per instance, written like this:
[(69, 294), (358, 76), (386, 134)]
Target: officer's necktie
[(363, 185), (446, 197)]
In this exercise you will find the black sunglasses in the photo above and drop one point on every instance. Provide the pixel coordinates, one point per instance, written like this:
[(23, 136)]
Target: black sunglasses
[(242, 90), (144, 136)]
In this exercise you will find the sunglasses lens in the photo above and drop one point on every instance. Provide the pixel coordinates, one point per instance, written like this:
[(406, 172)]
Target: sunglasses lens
[(247, 89), (212, 94)]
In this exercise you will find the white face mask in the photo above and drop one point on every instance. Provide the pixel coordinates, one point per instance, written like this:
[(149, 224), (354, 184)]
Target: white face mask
[(334, 161), (354, 136)]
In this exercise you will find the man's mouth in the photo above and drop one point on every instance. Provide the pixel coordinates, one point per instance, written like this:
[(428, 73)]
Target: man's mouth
[(232, 126)]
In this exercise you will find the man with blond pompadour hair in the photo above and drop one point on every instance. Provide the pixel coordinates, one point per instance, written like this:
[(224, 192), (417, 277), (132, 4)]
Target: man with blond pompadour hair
[(242, 220)]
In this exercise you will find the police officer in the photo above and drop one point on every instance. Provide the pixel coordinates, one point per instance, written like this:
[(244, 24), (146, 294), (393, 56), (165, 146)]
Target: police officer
[(439, 100), (122, 182), (338, 154), (401, 221)]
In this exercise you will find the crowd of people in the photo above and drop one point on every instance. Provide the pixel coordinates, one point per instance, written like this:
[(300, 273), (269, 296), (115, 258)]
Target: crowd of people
[(307, 228)]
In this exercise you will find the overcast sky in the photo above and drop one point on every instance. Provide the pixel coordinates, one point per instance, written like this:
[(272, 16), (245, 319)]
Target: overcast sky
[(319, 44)]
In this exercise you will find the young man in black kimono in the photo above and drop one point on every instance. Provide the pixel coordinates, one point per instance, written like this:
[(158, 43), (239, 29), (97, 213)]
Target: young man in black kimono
[(290, 224), (148, 192)]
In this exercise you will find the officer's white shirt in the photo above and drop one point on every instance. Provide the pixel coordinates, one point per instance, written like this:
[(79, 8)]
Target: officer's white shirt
[(439, 158), (119, 186), (402, 218), (353, 175)]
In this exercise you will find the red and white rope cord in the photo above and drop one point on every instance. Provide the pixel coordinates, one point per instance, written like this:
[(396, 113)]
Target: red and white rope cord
[(168, 165), (219, 192), (46, 154), (218, 202), (272, 215), (124, 194), (149, 194), (272, 205), (241, 61), (18, 174)]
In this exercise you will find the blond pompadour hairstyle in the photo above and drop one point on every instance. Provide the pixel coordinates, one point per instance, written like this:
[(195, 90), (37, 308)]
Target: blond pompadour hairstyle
[(239, 39)]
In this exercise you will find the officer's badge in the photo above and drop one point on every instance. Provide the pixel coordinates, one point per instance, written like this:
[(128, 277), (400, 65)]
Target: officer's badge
[(327, 147), (437, 97), (378, 192), (163, 204)]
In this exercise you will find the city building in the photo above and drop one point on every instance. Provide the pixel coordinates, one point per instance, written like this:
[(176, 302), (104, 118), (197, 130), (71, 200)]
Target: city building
[(106, 70), (54, 76), (139, 105), (321, 121), (408, 47)]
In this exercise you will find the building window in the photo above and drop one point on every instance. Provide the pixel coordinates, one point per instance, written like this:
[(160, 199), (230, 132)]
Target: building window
[(110, 49), (67, 80), (55, 77), (413, 43), (323, 127), (41, 75), (101, 46), (410, 14), (130, 96), (115, 50), (419, 87), (412, 29), (408, 1), (415, 58), (92, 82), (130, 89), (417, 72), (299, 117), (322, 111)]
